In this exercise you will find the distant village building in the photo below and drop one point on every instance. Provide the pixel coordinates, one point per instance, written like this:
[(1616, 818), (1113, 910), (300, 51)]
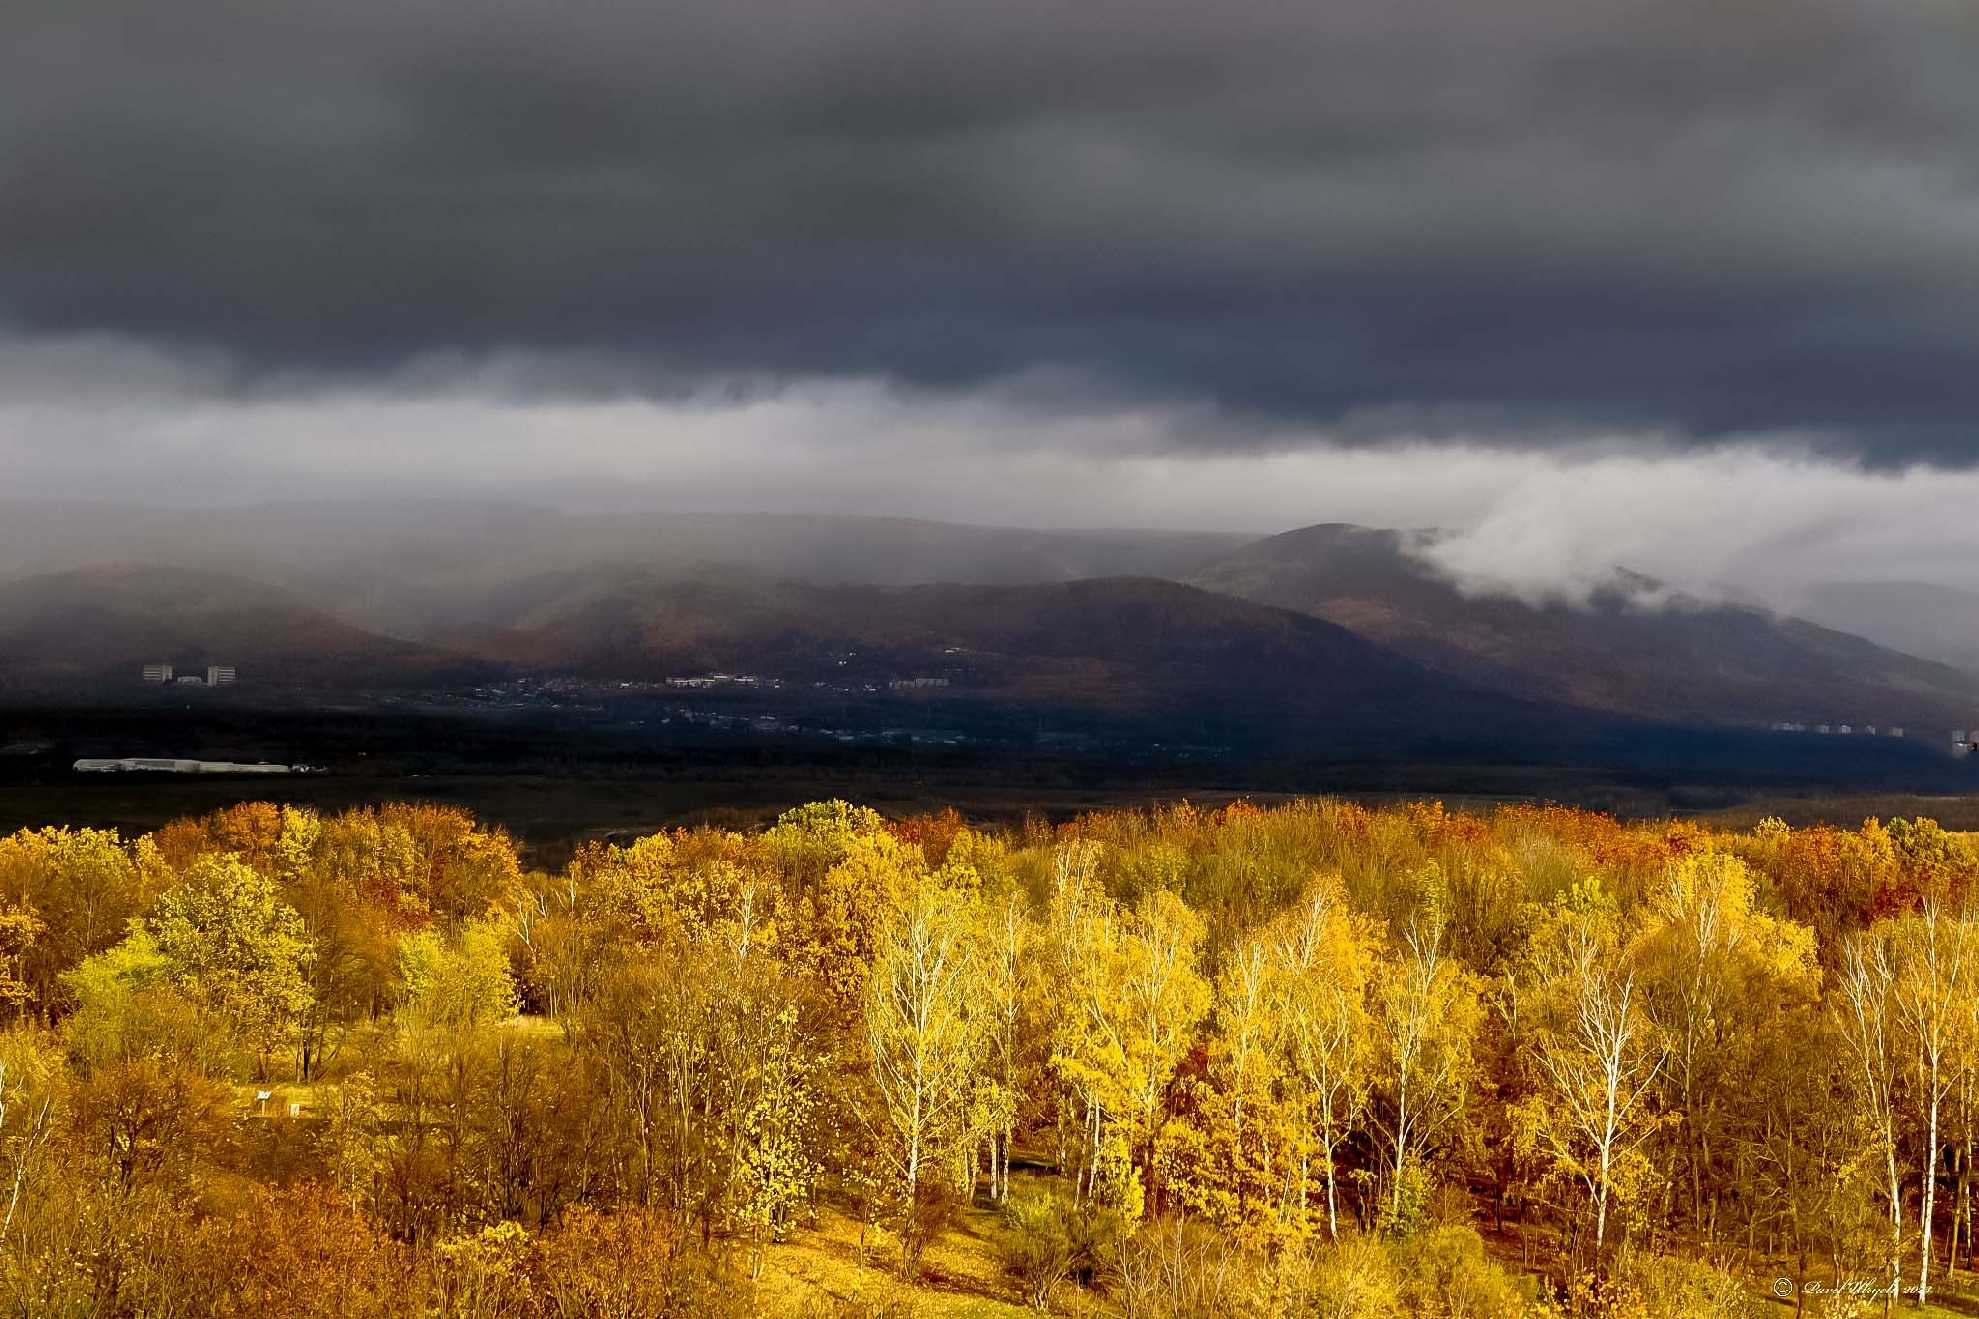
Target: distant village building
[(1848, 730), (220, 675), (900, 684), (157, 673)]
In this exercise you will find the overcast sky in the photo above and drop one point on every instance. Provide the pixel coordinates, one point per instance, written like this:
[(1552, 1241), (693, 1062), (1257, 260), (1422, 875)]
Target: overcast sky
[(1690, 285)]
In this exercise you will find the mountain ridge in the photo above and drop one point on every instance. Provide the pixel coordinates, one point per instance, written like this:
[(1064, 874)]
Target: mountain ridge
[(1681, 660)]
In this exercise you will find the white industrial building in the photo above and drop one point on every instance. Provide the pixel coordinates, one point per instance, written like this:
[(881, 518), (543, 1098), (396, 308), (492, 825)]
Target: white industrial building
[(166, 765), (217, 675)]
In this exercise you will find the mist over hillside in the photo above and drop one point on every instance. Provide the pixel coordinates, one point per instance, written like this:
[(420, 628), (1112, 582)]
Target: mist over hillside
[(92, 630), (1633, 648), (412, 567), (1924, 618)]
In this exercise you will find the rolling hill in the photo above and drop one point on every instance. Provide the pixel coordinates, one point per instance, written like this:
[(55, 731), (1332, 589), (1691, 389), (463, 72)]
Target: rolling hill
[(1143, 652), (1680, 660), (98, 625)]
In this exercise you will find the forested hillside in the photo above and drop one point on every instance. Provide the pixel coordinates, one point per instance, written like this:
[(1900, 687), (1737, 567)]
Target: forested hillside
[(1307, 1060)]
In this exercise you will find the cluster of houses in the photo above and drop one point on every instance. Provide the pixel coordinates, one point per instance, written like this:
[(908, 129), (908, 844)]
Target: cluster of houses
[(708, 680)]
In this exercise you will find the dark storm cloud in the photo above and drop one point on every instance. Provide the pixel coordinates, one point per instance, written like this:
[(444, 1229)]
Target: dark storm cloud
[(1517, 218)]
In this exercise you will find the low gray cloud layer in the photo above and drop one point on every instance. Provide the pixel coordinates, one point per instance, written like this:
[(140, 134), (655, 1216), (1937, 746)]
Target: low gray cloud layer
[(98, 417), (1524, 223)]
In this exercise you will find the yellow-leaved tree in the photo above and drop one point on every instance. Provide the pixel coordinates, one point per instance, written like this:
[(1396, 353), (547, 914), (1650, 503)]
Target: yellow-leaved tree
[(926, 1041), (237, 952), (1427, 1011), (1936, 963), (1718, 976), (1321, 956), (1866, 1019), (1594, 1050)]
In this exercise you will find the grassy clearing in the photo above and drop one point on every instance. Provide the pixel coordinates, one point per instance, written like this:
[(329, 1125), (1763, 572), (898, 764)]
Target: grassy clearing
[(825, 1269)]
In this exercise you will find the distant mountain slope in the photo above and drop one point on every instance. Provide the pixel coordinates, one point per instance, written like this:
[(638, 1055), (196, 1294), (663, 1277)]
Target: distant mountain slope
[(408, 567), (1685, 661), (99, 624), (1937, 622), (1135, 649)]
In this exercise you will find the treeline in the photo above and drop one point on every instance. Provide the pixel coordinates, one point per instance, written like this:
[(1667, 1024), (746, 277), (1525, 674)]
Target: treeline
[(1314, 1059)]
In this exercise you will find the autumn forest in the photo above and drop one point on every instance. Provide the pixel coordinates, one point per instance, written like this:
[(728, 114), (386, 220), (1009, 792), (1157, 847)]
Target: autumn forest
[(1313, 1059)]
